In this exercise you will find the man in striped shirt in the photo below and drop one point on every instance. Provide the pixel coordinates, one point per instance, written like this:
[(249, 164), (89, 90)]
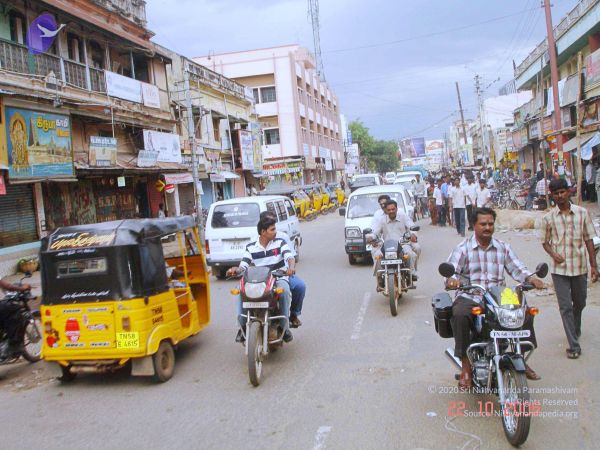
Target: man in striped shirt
[(482, 259), (274, 253), (568, 233)]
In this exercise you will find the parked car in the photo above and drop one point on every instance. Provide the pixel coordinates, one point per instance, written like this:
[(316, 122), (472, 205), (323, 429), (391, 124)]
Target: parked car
[(389, 177), (231, 225), (362, 205), (364, 180)]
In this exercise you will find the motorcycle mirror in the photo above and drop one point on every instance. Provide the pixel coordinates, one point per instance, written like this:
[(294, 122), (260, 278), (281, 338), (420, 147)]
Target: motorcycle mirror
[(367, 231), (415, 228), (541, 270), (342, 211), (446, 270)]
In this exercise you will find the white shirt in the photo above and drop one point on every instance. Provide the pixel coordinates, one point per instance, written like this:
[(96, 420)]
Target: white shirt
[(463, 181), (470, 191), (484, 197), (379, 214), (491, 183), (457, 195), (437, 194)]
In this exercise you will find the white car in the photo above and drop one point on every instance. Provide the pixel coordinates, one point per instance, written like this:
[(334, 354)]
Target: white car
[(389, 177), (362, 205), (364, 180)]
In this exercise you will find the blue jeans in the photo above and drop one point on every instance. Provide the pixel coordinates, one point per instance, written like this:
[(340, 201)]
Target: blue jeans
[(529, 203), (459, 220), (441, 211), (284, 300), (298, 289)]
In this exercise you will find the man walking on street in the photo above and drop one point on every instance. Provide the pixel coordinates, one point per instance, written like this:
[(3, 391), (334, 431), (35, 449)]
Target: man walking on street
[(457, 200), (484, 197), (439, 203), (567, 228)]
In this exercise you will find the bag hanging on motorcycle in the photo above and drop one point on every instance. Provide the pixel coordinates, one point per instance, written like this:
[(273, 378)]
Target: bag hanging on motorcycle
[(442, 313)]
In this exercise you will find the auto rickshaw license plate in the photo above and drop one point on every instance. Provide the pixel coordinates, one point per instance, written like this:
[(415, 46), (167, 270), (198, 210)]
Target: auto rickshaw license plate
[(129, 339)]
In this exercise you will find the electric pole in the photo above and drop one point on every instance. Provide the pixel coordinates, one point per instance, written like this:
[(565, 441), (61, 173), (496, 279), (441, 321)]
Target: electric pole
[(554, 78), (481, 129), (462, 116)]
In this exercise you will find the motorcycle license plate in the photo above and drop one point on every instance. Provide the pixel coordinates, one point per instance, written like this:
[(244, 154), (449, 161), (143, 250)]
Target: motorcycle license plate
[(505, 334), (253, 305), (390, 262)]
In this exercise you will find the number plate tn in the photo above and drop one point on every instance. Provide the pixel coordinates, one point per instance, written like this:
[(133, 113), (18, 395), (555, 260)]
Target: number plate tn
[(389, 262), (253, 305), (504, 334), (128, 340)]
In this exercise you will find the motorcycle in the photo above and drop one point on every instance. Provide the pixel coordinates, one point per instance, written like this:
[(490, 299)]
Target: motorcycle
[(260, 299), (497, 352), (394, 268), (30, 329)]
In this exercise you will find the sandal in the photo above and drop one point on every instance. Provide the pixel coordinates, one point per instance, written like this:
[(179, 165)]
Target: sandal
[(573, 354)]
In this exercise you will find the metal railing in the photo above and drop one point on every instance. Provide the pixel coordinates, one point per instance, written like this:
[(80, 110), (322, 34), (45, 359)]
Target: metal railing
[(215, 79), (98, 83), (16, 58), (565, 24), (75, 74)]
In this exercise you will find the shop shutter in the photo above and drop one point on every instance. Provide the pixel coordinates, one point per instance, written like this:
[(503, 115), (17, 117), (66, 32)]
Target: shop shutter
[(17, 216)]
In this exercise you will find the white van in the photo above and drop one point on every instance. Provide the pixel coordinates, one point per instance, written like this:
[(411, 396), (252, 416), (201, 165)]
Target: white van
[(231, 225), (362, 205)]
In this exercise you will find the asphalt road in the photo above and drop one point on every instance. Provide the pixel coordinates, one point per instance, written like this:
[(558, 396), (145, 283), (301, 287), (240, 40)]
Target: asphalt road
[(354, 376)]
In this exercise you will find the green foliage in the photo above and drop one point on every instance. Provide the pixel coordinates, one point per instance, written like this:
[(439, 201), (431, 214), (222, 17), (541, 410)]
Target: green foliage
[(381, 156)]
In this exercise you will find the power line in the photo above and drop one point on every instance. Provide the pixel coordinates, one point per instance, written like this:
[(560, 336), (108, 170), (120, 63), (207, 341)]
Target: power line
[(423, 36)]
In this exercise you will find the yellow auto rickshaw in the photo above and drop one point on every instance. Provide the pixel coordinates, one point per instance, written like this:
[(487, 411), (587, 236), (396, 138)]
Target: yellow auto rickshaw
[(122, 292)]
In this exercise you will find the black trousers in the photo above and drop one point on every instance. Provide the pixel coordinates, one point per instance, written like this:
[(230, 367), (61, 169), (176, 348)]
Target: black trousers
[(469, 216), (9, 321), (463, 323)]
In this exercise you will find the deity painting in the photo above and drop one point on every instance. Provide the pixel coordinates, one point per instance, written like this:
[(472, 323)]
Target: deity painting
[(18, 138)]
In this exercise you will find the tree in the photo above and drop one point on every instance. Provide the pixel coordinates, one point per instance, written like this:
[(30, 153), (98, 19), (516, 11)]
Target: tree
[(381, 156)]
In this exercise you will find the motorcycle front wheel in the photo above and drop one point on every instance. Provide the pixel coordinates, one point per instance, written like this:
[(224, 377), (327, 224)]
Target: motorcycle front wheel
[(255, 352), (394, 293), (516, 418), (32, 339)]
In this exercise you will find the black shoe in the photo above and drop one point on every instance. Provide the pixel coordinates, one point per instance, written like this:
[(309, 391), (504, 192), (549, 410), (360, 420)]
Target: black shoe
[(295, 322), (415, 277), (287, 336), (240, 336)]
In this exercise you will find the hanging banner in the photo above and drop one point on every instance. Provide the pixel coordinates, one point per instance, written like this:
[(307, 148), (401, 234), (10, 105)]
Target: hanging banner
[(150, 95), (167, 145), (103, 151), (123, 87), (246, 149), (39, 143)]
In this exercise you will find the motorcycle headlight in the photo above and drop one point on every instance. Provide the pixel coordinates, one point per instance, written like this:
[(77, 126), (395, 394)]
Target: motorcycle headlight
[(391, 255), (254, 290), (511, 318), (353, 233)]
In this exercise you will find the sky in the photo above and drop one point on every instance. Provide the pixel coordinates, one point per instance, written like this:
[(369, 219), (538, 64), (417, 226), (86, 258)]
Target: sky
[(392, 63)]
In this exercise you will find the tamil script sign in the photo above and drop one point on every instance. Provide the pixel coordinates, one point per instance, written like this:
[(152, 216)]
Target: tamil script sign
[(103, 151), (39, 143)]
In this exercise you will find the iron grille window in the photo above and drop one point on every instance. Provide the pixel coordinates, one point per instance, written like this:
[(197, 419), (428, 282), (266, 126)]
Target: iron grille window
[(267, 94), (272, 136)]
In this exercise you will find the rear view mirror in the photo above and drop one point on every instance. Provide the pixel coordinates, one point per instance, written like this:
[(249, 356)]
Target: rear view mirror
[(342, 211), (415, 228), (541, 270), (446, 270)]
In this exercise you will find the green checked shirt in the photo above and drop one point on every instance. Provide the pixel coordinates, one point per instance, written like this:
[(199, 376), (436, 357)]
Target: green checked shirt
[(566, 234)]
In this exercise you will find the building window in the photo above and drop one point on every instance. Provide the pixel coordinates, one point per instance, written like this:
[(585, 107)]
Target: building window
[(255, 94), (268, 95), (272, 136), (97, 55), (216, 122), (17, 27)]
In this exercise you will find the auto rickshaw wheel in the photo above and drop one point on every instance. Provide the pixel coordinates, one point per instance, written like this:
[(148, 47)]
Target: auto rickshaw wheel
[(164, 362), (67, 375)]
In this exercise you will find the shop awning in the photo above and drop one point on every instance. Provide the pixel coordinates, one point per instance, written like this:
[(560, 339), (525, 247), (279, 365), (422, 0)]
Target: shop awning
[(586, 150), (229, 175), (571, 144)]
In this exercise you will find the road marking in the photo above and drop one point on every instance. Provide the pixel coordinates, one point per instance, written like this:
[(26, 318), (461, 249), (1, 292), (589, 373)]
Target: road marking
[(321, 436), (361, 316)]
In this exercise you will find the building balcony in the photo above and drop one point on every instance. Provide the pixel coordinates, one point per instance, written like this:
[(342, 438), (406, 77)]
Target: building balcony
[(302, 109), (266, 109), (271, 151)]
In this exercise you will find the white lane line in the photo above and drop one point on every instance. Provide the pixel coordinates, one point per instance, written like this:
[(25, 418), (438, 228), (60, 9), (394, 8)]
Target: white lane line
[(321, 436), (361, 316)]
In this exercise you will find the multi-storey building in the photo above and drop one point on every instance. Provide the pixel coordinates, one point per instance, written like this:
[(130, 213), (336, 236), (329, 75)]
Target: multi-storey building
[(87, 127), (533, 132), (299, 113)]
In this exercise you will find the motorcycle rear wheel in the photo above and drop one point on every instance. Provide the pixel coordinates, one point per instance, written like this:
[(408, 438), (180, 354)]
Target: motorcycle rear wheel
[(394, 293), (255, 350), (32, 339), (516, 425)]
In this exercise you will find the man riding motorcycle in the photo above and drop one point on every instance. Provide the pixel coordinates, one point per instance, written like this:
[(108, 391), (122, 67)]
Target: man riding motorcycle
[(7, 320), (393, 226), (274, 253), (483, 259)]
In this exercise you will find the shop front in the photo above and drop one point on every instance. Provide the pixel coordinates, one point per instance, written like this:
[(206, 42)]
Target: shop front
[(283, 175)]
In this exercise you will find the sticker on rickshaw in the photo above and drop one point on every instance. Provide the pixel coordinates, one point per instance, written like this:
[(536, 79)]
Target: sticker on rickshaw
[(81, 240), (509, 297), (129, 339)]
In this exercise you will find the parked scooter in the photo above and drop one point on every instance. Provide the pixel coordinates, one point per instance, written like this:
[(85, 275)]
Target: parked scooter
[(497, 352), (260, 299), (29, 329)]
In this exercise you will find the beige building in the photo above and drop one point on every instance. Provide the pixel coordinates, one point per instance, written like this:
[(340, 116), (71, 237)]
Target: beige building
[(299, 114)]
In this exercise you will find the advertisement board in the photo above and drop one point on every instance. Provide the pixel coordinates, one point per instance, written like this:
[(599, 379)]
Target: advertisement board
[(412, 148), (147, 158), (150, 95), (103, 151), (123, 87), (257, 146), (167, 145), (38, 143), (592, 68), (246, 149)]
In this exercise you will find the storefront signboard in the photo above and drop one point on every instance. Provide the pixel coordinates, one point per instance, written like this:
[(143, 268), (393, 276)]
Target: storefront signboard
[(147, 158), (167, 145), (103, 151), (39, 143)]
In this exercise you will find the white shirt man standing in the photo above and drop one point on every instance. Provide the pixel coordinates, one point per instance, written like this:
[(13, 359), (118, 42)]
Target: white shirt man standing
[(470, 191), (484, 197), (457, 202)]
